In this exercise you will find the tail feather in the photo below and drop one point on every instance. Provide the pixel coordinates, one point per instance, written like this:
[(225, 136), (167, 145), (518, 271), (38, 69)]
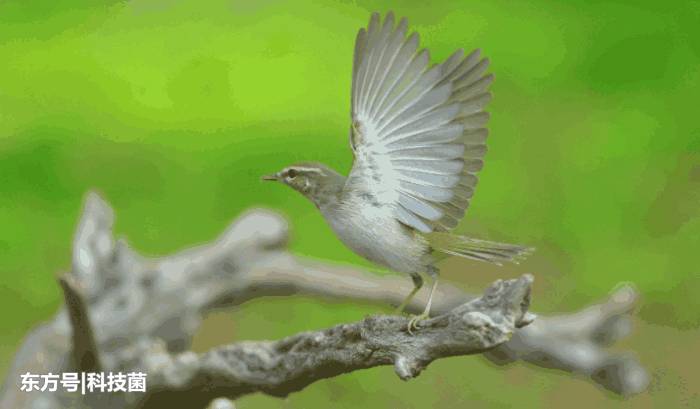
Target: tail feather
[(475, 249)]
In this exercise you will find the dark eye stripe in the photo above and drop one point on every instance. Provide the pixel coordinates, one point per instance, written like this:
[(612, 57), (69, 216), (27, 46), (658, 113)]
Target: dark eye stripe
[(292, 173)]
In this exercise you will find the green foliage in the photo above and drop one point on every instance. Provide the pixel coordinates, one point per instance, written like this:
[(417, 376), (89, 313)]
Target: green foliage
[(173, 110)]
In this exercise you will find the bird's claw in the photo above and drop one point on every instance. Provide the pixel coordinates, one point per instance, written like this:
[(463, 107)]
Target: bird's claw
[(414, 322)]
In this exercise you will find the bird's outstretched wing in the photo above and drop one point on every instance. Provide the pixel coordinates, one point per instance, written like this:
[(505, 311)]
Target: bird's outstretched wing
[(417, 132)]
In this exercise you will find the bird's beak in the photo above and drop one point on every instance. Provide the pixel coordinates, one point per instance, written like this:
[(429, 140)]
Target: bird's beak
[(270, 177)]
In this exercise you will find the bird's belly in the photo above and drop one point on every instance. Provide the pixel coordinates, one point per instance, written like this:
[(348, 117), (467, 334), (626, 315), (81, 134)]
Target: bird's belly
[(380, 238)]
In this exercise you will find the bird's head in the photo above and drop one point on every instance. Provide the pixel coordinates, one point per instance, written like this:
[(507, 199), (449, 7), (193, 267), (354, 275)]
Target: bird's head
[(317, 182)]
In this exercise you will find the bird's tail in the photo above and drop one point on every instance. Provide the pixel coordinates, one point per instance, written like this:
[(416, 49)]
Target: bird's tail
[(482, 250)]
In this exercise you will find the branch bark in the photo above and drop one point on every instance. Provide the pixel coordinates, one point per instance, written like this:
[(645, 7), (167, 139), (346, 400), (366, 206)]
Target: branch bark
[(142, 313)]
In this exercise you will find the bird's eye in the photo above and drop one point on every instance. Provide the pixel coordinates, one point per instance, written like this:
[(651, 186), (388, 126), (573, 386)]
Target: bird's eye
[(291, 173)]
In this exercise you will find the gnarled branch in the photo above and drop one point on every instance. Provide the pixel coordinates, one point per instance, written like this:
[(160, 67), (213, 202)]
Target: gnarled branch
[(140, 304), (278, 368)]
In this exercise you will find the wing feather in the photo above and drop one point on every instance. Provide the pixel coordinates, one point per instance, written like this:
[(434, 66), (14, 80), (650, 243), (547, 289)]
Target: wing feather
[(418, 133), (475, 136), (464, 66), (473, 74), (409, 218), (430, 193), (360, 44), (477, 87), (398, 70), (421, 208), (451, 167), (429, 179), (440, 152), (407, 83), (425, 105), (369, 52), (378, 52), (475, 104), (432, 120), (474, 121), (444, 134), (390, 56)]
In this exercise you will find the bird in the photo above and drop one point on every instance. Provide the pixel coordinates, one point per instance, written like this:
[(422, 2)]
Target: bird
[(418, 136)]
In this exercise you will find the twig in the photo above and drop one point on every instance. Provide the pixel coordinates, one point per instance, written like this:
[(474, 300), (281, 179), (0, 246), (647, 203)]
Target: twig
[(84, 347)]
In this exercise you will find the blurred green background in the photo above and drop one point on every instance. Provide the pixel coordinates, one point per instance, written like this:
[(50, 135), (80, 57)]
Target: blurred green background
[(173, 109)]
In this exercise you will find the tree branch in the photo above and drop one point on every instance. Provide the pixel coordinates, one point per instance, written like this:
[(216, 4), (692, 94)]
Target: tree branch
[(281, 367), (574, 343), (145, 311)]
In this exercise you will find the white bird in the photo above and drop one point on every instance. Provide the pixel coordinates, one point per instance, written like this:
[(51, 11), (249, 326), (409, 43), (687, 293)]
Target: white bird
[(418, 136)]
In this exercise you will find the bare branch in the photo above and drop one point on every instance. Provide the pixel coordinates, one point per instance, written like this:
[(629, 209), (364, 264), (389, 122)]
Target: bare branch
[(281, 367), (576, 343), (156, 305), (571, 342)]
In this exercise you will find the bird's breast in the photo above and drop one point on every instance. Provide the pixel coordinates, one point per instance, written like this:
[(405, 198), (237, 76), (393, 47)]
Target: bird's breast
[(372, 232)]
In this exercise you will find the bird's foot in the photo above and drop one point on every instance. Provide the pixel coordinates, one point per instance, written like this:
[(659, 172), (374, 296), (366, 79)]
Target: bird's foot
[(414, 322)]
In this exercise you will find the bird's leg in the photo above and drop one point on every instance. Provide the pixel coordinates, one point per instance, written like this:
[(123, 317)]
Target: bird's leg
[(417, 284), (416, 319)]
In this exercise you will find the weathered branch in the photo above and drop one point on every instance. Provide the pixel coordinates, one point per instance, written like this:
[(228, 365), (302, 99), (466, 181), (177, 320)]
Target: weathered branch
[(571, 342), (84, 348), (576, 343), (156, 305), (281, 367)]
